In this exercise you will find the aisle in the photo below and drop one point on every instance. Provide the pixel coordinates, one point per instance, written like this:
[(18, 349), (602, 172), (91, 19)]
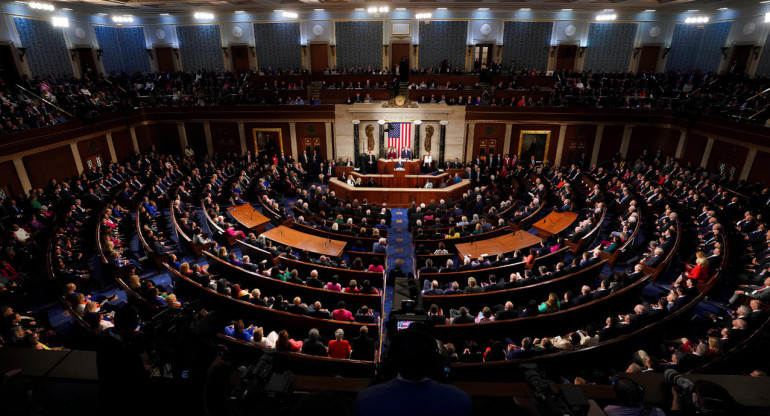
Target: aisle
[(400, 249)]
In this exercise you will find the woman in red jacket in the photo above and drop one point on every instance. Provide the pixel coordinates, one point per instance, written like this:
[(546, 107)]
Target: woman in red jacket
[(339, 348)]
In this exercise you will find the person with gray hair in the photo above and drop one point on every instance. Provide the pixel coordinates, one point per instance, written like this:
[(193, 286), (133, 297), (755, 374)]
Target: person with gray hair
[(313, 345), (339, 348)]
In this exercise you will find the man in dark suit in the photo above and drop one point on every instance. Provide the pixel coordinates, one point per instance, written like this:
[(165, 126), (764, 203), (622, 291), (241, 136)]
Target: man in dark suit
[(761, 293), (406, 154), (508, 312), (319, 312), (371, 163), (313, 345), (362, 346), (584, 297)]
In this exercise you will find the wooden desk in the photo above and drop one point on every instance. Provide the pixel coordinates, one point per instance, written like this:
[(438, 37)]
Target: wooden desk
[(503, 244), (339, 170), (397, 196), (289, 237), (554, 223), (387, 166), (249, 218), (400, 179)]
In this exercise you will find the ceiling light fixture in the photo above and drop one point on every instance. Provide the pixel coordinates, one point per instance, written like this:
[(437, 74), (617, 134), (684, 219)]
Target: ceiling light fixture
[(290, 15), (442, 9), (767, 17), (59, 21), (606, 17), (525, 9), (105, 14), (423, 16), (650, 11), (42, 6), (359, 9), (483, 9), (566, 10), (376, 9), (165, 14), (692, 11), (722, 9), (400, 9), (319, 10), (123, 19), (698, 20), (204, 15), (240, 11)]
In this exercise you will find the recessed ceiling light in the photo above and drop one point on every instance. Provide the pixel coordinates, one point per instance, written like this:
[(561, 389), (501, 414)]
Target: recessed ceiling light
[(66, 9), (400, 9), (278, 10), (650, 11), (319, 10), (763, 2), (101, 14), (240, 11), (723, 8), (483, 9), (443, 9), (566, 10), (525, 9), (359, 9), (165, 14), (692, 11)]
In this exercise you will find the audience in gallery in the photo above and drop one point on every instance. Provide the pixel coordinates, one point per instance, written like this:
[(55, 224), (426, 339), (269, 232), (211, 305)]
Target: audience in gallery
[(67, 98)]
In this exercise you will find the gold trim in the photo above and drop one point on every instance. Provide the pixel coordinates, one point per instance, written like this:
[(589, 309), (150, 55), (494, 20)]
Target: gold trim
[(266, 130), (547, 141), (401, 36)]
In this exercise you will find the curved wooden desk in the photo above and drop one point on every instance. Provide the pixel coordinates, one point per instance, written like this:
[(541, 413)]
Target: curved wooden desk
[(411, 167), (400, 197)]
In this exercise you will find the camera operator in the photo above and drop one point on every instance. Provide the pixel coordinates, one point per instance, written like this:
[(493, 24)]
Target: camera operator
[(699, 398), (414, 392), (630, 397), (123, 377)]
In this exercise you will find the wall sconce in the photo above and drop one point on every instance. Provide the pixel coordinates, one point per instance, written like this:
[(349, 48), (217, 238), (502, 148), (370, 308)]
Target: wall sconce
[(73, 53), (666, 51), (22, 53), (149, 53), (583, 50), (99, 54), (224, 51), (636, 51), (724, 51)]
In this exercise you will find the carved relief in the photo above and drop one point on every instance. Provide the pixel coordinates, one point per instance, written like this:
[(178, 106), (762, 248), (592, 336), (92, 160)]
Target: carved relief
[(370, 137), (428, 137)]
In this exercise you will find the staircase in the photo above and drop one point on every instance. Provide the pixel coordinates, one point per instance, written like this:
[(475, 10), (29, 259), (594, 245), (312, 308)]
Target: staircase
[(314, 91)]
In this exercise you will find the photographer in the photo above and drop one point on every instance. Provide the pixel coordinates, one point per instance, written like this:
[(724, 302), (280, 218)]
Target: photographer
[(699, 398), (630, 397)]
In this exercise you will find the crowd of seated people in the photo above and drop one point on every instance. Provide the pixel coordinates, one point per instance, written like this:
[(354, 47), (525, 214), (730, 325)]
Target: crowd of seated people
[(361, 347)]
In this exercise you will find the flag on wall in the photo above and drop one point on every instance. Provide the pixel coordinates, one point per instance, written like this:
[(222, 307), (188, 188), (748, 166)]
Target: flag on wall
[(400, 135)]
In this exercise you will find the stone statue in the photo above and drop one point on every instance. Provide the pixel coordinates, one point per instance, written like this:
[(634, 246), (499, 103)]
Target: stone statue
[(428, 136), (370, 137)]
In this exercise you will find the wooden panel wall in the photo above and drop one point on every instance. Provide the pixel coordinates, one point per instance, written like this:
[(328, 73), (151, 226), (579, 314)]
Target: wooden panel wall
[(164, 136), (578, 140), (489, 131), (693, 149), (760, 170), (310, 130), (124, 148), (225, 138), (55, 163), (611, 138), (9, 178), (652, 138), (196, 138), (93, 147), (734, 156)]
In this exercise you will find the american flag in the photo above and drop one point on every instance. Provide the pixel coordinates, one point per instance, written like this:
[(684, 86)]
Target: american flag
[(400, 135)]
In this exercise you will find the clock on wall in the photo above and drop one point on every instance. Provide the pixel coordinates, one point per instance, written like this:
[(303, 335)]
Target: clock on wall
[(654, 31), (160, 34), (570, 30), (485, 29), (318, 30), (237, 32)]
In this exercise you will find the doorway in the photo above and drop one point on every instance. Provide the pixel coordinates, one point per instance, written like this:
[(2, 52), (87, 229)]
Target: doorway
[(488, 147), (482, 56), (649, 59), (398, 51), (240, 57), (309, 144), (739, 59), (87, 62), (565, 57), (93, 161), (8, 70), (319, 57), (165, 57)]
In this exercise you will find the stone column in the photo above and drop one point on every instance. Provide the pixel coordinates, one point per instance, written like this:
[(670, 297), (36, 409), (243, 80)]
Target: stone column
[(442, 140), (242, 137), (382, 138), (134, 141), (597, 144), (111, 146), (356, 142), (76, 157), (416, 151), (21, 171), (209, 141)]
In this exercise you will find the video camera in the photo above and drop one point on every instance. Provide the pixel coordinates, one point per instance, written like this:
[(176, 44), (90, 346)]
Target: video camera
[(684, 387), (570, 400)]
